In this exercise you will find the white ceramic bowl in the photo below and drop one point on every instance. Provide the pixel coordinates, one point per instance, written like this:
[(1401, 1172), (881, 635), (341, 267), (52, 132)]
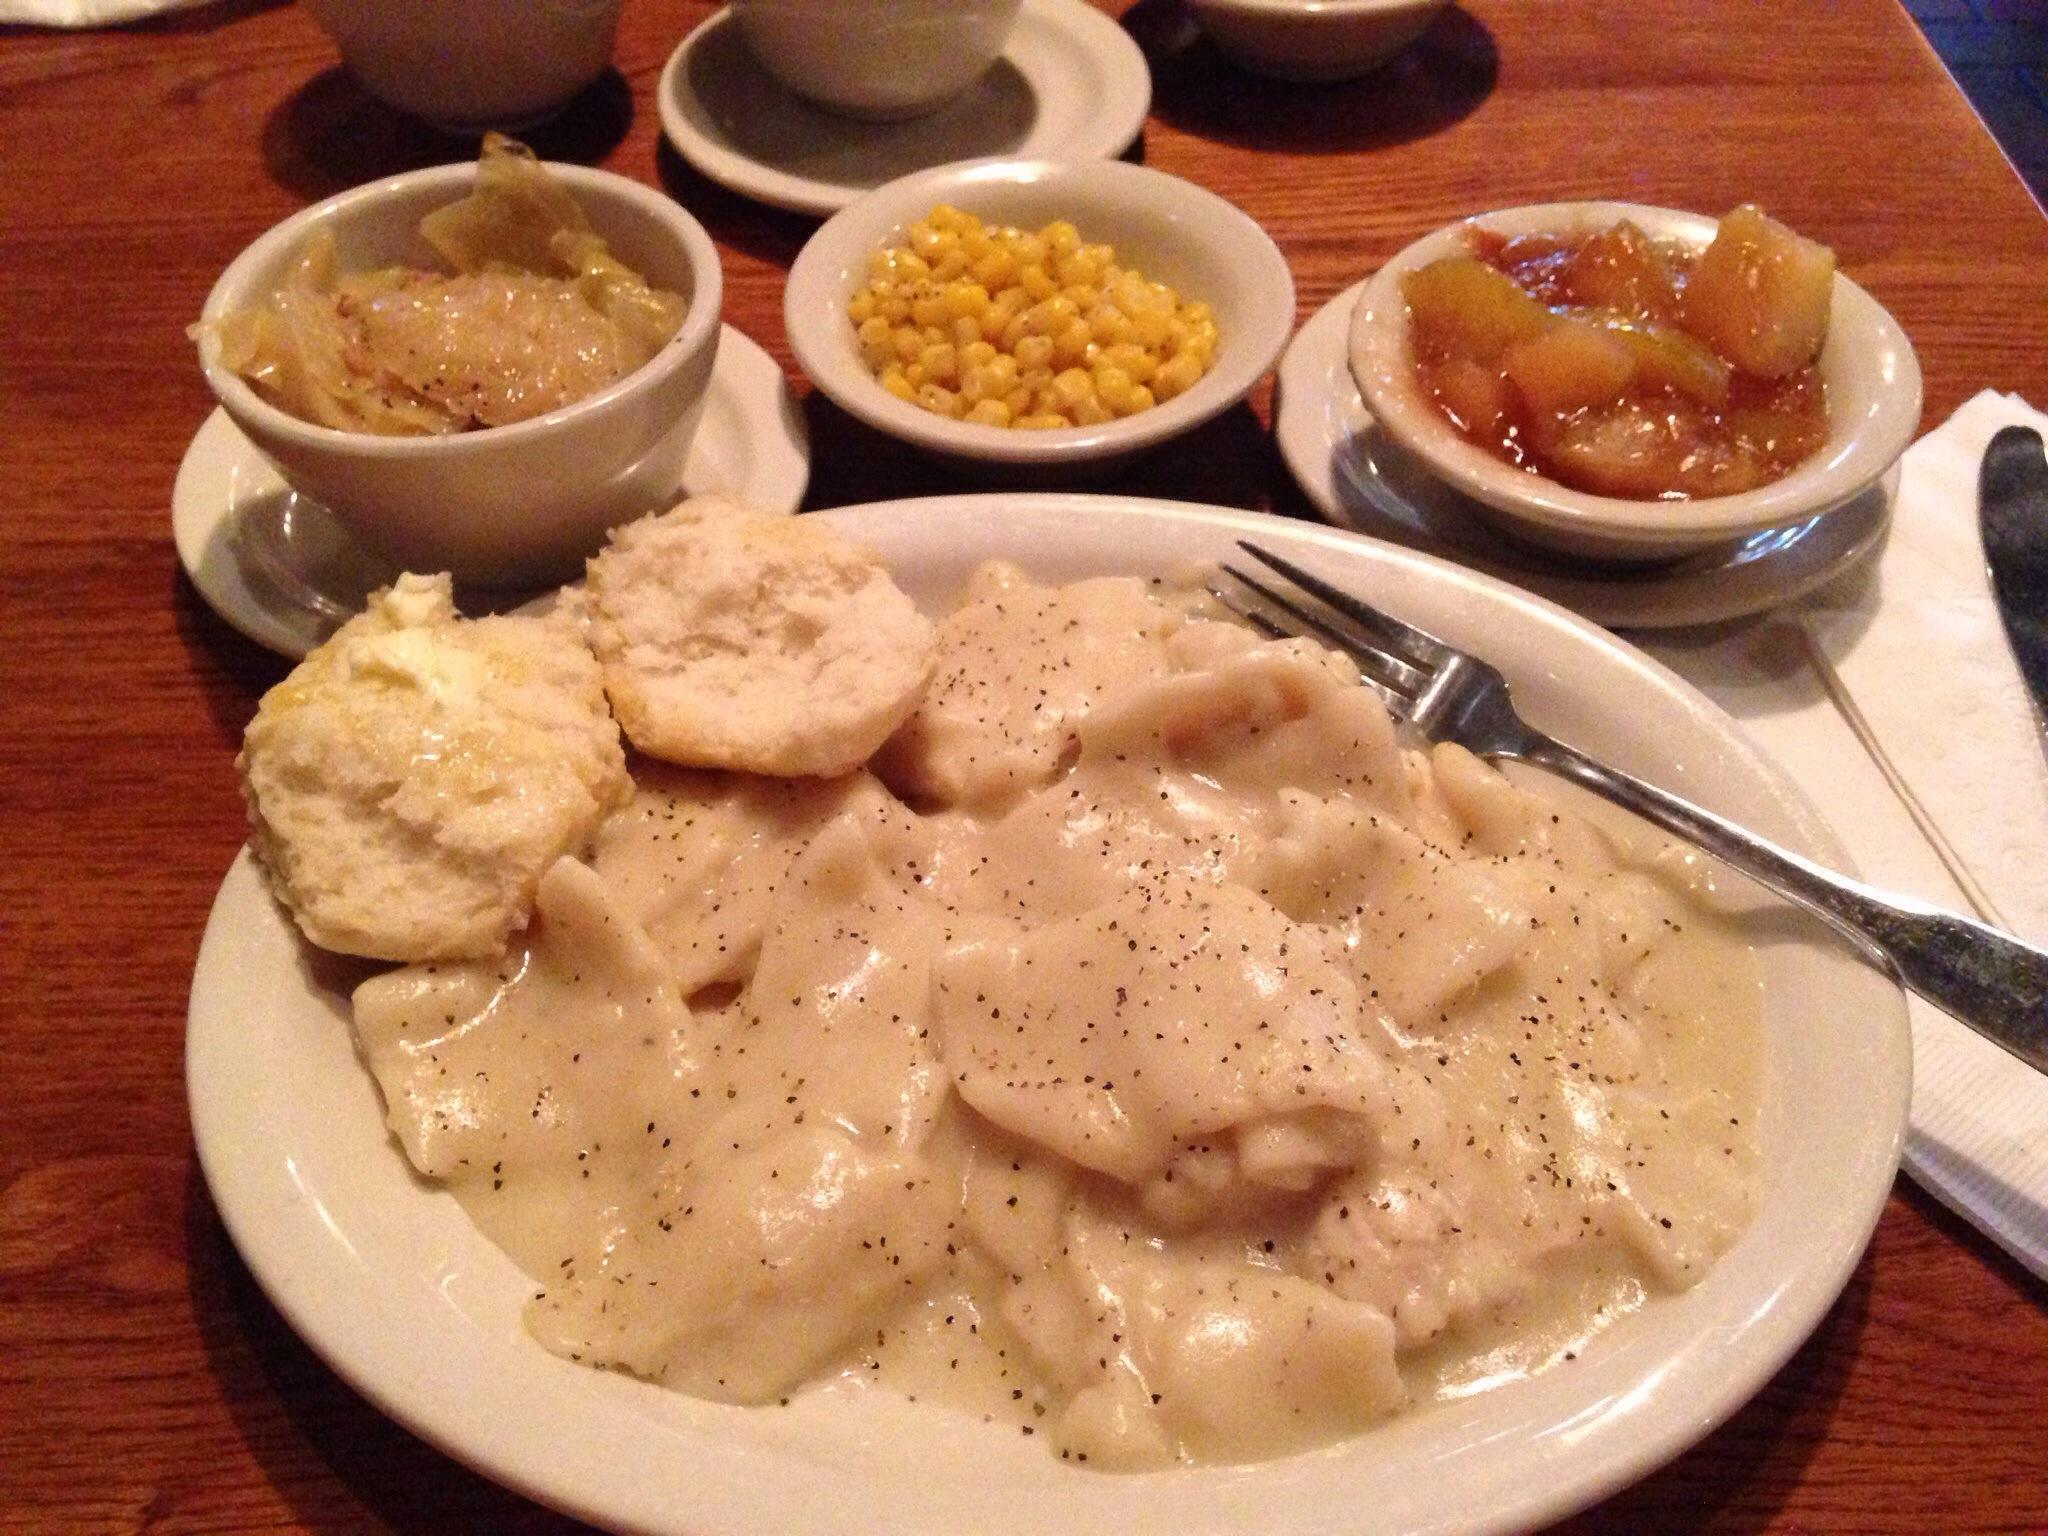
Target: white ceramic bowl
[(1171, 230), (1314, 39), (509, 506), (1873, 387), (878, 59), (473, 64)]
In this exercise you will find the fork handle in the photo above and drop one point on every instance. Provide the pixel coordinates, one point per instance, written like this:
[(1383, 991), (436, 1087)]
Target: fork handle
[(1986, 979)]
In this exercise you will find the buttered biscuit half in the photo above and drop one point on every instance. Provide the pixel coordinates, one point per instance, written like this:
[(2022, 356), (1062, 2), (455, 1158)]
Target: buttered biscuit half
[(412, 779)]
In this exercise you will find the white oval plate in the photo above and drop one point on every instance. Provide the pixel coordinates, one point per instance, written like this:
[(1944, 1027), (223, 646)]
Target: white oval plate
[(1070, 85), (387, 1280), (1359, 478), (280, 569)]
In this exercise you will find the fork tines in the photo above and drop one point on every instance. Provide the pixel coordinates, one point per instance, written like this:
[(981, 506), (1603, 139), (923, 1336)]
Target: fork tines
[(1395, 659)]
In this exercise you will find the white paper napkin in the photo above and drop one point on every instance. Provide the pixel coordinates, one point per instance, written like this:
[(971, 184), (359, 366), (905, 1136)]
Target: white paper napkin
[(1893, 697), (86, 13)]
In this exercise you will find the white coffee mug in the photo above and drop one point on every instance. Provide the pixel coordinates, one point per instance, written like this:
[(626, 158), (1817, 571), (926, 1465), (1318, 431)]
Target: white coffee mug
[(473, 64), (880, 59)]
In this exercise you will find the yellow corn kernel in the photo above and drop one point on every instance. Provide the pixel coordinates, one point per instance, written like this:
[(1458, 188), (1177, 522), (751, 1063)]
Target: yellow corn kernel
[(1061, 238), (1034, 351), (989, 413), (895, 309), (862, 309), (1113, 387), (1198, 314), (1037, 282), (917, 374), (1003, 372), (1092, 413), (908, 343), (1148, 328), (930, 310), (1042, 421), (951, 263), (1070, 345), (897, 385), (964, 331), (1133, 359), (1109, 325), (994, 271), (1026, 250), (1077, 269), (940, 362), (1019, 402), (939, 400), (1141, 400), (976, 354), (1176, 375), (967, 299), (1071, 386)]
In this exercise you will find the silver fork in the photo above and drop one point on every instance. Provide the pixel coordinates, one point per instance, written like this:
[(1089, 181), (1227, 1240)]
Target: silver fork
[(1988, 980)]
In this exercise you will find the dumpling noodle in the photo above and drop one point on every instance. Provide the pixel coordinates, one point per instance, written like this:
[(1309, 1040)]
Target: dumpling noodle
[(1151, 1052), (533, 313)]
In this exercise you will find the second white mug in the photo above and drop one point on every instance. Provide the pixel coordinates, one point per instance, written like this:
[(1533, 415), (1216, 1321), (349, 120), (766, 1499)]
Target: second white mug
[(879, 59)]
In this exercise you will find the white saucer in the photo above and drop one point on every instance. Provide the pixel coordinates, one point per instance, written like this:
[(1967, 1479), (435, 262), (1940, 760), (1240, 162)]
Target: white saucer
[(1071, 85), (280, 569), (1360, 479)]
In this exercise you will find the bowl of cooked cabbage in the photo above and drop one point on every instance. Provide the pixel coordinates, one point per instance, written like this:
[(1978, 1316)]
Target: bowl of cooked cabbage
[(1633, 383), (1038, 316), (478, 368)]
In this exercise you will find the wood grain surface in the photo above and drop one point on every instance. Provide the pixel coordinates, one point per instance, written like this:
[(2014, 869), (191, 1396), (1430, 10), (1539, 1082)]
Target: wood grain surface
[(145, 1385)]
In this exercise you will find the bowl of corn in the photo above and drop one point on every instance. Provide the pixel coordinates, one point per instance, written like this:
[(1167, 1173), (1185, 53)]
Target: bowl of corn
[(1038, 316)]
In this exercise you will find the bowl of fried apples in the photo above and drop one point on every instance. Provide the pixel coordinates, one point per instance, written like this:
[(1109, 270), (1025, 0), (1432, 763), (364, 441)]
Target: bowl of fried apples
[(1619, 382)]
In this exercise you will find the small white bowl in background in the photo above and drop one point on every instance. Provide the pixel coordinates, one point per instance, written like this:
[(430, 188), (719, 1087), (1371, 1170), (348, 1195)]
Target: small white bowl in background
[(1170, 230), (1314, 39), (1867, 364), (876, 59), (505, 507), (473, 64)]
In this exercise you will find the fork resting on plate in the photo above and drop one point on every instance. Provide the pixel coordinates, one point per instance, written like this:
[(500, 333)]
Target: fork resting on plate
[(1988, 980)]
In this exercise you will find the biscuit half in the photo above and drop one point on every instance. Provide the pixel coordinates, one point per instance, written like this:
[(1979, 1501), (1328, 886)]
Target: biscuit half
[(732, 638)]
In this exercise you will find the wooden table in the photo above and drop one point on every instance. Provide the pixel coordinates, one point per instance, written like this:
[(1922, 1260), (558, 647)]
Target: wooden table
[(144, 1383)]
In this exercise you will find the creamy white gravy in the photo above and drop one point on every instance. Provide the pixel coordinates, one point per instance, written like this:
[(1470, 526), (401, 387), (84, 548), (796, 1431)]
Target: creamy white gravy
[(1173, 1063)]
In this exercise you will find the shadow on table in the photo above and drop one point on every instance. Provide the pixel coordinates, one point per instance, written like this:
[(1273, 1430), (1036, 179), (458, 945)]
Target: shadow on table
[(773, 235), (1229, 461), (305, 1428), (331, 134), (231, 669), (1959, 1231), (1437, 80)]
